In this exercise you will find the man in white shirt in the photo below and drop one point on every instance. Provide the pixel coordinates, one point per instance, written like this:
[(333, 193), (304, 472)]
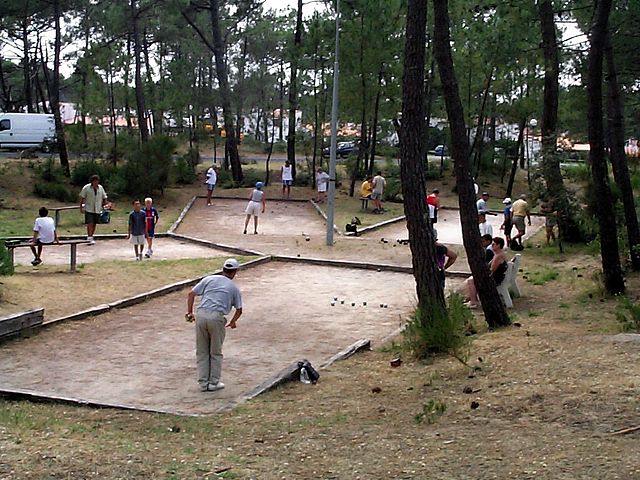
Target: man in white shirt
[(44, 233), (481, 204), (485, 227), (379, 183), (210, 182), (93, 199), (322, 182), (286, 172)]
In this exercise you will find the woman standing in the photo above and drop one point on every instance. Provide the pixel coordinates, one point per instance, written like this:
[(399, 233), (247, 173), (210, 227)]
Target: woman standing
[(255, 207)]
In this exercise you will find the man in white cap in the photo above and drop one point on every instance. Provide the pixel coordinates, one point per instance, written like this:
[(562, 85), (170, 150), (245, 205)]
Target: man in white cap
[(219, 295), (507, 223)]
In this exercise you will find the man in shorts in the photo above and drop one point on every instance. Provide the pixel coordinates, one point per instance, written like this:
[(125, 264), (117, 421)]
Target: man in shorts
[(219, 295), (322, 182), (286, 173), (93, 199), (210, 182), (379, 183), (519, 210), (44, 233), (137, 232)]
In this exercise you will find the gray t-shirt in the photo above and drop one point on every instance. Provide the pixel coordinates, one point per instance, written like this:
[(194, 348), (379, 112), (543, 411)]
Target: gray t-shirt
[(256, 195), (219, 294)]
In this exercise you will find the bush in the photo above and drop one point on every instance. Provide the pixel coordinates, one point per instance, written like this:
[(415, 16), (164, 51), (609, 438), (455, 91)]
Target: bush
[(628, 315), (147, 169), (84, 170), (57, 191), (444, 334), (184, 171), (50, 172), (6, 267)]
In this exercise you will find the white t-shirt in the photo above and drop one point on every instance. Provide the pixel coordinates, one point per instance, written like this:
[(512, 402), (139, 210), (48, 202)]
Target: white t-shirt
[(486, 228), (287, 174), (322, 179), (481, 204), (378, 184), (212, 177), (45, 226)]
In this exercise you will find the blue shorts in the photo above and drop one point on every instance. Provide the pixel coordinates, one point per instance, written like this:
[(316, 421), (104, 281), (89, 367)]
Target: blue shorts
[(287, 183), (152, 232), (211, 187)]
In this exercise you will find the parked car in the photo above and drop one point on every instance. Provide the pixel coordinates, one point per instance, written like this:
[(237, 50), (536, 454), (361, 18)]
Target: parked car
[(343, 149), (441, 150)]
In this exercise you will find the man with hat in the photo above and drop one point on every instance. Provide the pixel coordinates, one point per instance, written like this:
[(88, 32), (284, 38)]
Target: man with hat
[(507, 223), (219, 295), (519, 210)]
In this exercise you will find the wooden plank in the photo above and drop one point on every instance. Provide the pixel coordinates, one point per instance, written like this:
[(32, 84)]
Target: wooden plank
[(363, 344), (15, 324)]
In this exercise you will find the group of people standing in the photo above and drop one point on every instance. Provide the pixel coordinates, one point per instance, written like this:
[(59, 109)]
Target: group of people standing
[(94, 205), (373, 189)]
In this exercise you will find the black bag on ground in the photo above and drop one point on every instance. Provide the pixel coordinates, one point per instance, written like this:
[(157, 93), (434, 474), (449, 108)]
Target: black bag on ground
[(311, 373), (351, 228)]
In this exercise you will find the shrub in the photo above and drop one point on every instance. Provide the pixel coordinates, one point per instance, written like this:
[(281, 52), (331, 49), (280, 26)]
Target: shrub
[(440, 334), (6, 267), (147, 169), (50, 172), (57, 191), (84, 170), (628, 315), (184, 172)]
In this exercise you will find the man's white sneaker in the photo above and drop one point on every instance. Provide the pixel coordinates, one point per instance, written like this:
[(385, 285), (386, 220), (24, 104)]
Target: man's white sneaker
[(214, 387), (91, 241), (147, 255)]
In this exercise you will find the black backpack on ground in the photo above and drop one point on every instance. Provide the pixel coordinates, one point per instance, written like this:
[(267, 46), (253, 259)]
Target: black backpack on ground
[(311, 373)]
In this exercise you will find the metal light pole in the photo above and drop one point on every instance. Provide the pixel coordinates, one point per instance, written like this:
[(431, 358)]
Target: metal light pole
[(334, 134)]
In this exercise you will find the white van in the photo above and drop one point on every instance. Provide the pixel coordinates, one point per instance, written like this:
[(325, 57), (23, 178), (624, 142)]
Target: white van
[(26, 130)]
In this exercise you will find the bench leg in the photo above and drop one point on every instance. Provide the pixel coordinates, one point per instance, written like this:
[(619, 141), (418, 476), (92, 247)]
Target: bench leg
[(12, 257), (57, 221), (73, 257), (365, 204)]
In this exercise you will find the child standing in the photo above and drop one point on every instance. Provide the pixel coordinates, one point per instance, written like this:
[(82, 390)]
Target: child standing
[(256, 201), (44, 233), (137, 229), (151, 217)]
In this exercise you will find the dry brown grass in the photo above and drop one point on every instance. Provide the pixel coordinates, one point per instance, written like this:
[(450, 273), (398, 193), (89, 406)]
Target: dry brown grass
[(62, 293)]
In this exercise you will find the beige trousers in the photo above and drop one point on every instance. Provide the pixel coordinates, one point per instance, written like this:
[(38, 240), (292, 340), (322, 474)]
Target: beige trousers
[(210, 333)]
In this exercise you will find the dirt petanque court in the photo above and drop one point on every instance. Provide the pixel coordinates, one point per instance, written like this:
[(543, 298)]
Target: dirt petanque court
[(144, 356)]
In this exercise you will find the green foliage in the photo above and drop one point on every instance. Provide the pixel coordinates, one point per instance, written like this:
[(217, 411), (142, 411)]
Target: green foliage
[(84, 170), (52, 183), (431, 411), (441, 333), (6, 267), (147, 169), (578, 172), (543, 276), (184, 171), (57, 191), (628, 315)]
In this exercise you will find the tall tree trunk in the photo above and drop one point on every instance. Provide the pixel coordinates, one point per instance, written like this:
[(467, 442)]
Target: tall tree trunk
[(363, 112), (429, 95), (374, 126), (516, 158), (127, 69), (26, 71), (137, 53), (494, 310), (293, 90), (613, 279), (281, 98), (567, 226), (618, 157), (231, 144), (6, 92), (478, 141), (40, 92), (240, 90), (422, 240), (114, 128), (149, 78), (55, 91)]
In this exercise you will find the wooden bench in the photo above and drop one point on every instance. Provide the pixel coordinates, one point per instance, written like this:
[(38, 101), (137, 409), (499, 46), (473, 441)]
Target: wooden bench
[(16, 324), (508, 289), (365, 202), (57, 210), (73, 244)]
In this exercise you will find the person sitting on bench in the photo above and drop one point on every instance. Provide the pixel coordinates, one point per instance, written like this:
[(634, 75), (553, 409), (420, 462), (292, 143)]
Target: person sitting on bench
[(44, 233)]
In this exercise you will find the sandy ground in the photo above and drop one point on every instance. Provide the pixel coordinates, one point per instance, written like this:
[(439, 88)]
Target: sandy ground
[(285, 227), (448, 228), (144, 355), (119, 249)]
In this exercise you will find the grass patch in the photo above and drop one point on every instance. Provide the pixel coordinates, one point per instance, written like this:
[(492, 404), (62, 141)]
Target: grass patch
[(431, 411), (628, 315), (540, 277), (125, 279)]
